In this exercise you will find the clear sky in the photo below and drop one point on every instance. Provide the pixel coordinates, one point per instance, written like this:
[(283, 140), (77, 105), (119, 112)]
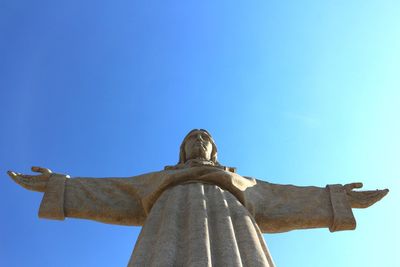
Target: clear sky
[(294, 92)]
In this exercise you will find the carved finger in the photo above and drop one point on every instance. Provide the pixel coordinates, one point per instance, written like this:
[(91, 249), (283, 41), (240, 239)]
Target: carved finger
[(379, 194), (23, 177), (20, 179), (41, 170), (367, 198), (385, 191), (13, 175), (349, 187), (376, 193), (357, 185)]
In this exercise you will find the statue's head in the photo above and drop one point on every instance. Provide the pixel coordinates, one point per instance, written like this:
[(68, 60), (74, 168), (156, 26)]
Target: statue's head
[(198, 144)]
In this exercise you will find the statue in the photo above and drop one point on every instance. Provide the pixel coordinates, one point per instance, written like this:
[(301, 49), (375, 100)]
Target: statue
[(198, 212)]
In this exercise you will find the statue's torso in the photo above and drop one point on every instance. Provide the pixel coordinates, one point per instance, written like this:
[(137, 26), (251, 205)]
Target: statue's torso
[(199, 224)]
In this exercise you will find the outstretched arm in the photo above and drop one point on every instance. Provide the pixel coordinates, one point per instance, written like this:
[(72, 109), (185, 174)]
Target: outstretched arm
[(108, 200), (279, 208)]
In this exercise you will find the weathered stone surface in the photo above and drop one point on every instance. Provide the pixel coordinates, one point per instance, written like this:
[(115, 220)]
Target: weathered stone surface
[(198, 212)]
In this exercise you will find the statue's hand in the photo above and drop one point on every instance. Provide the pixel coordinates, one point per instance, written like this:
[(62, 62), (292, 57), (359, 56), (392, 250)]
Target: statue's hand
[(363, 199), (32, 182)]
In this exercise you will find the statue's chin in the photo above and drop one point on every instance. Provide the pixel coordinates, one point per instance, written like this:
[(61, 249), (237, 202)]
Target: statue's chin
[(198, 153)]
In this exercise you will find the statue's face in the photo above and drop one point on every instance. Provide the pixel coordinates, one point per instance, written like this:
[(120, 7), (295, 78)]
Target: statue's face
[(198, 145)]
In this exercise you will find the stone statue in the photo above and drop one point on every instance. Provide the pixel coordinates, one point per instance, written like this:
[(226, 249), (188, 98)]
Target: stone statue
[(198, 212)]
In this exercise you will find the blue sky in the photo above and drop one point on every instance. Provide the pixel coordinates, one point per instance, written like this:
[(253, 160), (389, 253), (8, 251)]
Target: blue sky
[(294, 92)]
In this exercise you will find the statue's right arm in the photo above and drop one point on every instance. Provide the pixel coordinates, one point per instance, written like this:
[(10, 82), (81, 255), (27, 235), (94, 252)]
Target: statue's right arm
[(108, 200)]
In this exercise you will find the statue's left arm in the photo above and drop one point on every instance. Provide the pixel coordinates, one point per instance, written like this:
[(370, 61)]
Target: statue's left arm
[(280, 208)]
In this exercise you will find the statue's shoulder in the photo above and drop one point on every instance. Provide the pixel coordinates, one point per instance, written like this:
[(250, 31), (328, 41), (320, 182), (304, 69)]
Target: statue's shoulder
[(258, 181), (248, 177), (149, 175)]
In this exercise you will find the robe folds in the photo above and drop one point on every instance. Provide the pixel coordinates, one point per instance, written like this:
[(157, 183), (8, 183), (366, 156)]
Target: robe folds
[(198, 216)]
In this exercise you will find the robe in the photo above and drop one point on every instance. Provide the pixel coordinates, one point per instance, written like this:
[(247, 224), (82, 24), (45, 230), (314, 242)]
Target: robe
[(198, 216)]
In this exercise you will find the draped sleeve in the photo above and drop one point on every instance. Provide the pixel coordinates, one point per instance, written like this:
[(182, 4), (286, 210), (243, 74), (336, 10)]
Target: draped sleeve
[(108, 200), (280, 208)]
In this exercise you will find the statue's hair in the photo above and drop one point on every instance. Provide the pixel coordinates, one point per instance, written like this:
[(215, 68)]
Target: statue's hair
[(182, 153)]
